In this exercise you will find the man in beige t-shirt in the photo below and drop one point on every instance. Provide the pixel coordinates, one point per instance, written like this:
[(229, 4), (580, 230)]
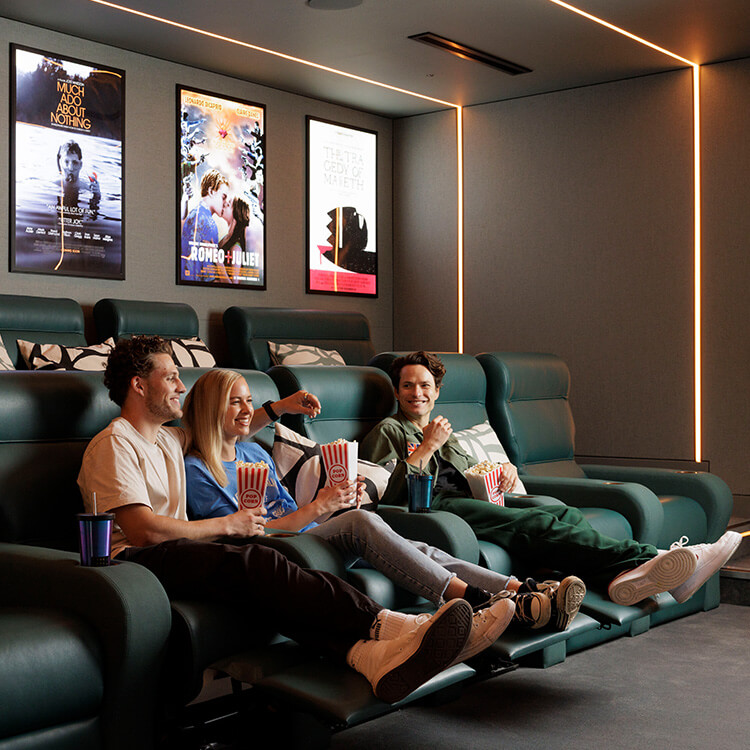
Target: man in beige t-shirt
[(151, 474)]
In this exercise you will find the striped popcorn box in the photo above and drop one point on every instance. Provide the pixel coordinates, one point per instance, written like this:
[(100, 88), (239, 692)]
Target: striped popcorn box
[(484, 481), (252, 479), (340, 462)]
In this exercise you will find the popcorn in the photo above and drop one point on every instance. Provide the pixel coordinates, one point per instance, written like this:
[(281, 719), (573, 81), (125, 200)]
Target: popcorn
[(483, 467), (484, 482), (340, 461), (252, 479)]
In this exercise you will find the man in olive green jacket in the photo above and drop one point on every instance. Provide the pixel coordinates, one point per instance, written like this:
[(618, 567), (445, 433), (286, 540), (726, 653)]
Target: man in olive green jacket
[(554, 536)]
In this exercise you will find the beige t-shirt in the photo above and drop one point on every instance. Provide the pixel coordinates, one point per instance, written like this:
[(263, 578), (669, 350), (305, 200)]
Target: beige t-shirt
[(124, 468)]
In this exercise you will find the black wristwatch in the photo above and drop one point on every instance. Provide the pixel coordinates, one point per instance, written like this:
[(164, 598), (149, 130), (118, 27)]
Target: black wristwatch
[(268, 408)]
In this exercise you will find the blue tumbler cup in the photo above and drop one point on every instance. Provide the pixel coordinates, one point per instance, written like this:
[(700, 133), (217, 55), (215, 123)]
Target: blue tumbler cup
[(95, 538)]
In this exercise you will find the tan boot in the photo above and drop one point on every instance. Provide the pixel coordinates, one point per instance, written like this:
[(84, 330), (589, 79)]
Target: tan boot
[(566, 597), (487, 625)]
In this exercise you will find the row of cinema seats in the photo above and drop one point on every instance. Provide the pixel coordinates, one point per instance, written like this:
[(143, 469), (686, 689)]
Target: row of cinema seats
[(61, 321), (142, 657), (145, 657)]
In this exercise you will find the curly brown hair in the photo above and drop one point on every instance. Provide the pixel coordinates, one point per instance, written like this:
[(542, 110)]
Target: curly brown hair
[(426, 359), (131, 358)]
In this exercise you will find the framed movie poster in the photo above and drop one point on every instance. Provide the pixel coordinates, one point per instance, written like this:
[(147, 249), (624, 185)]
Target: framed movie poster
[(342, 255), (67, 126), (220, 191)]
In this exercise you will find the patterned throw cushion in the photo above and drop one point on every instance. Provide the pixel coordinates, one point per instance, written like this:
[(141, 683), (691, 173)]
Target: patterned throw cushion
[(56, 357), (482, 442), (298, 463), (5, 361), (191, 353), (300, 354)]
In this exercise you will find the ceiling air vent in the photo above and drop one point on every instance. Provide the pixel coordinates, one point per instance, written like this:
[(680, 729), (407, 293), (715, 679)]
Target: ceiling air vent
[(469, 53)]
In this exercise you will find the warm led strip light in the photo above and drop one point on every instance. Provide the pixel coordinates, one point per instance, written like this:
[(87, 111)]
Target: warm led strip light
[(697, 334), (460, 251), (247, 45)]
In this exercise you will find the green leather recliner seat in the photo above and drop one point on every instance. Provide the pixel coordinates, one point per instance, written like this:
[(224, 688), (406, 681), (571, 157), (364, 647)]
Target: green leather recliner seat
[(42, 320), (529, 408)]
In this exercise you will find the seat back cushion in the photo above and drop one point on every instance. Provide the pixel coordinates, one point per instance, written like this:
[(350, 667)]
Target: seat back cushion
[(249, 329), (46, 421), (41, 320), (121, 318), (529, 409)]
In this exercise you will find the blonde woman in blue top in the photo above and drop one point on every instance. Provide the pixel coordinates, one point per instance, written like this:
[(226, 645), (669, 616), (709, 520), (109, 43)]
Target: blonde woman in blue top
[(218, 413)]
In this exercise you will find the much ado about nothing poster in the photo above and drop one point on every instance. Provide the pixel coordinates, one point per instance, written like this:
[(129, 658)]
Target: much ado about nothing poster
[(221, 196), (342, 209), (67, 166)]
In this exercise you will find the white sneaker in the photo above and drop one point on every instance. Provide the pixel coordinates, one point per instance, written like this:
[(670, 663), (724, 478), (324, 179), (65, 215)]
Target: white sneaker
[(487, 625), (397, 667), (711, 557), (667, 570)]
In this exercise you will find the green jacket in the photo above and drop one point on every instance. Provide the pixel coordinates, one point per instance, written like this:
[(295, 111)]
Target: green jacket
[(388, 443)]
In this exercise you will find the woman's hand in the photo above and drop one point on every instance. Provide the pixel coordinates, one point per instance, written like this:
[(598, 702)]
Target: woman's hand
[(509, 478), (331, 499), (301, 402)]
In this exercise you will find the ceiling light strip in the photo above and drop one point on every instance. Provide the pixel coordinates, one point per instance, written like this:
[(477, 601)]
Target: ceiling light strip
[(622, 31), (267, 51), (698, 405)]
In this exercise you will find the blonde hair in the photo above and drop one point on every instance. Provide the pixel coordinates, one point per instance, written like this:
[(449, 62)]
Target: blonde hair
[(203, 418)]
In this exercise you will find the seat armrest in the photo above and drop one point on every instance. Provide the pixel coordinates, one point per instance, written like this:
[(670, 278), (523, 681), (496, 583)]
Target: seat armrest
[(710, 491), (639, 505), (441, 529), (128, 609)]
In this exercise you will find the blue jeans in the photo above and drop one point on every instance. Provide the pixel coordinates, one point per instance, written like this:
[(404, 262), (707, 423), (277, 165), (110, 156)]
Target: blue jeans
[(415, 566)]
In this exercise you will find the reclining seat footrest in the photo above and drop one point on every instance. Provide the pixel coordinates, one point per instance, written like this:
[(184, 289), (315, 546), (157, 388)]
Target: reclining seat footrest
[(341, 697)]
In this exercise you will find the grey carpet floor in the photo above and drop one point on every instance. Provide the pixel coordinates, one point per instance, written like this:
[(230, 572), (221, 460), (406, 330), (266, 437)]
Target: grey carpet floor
[(684, 685)]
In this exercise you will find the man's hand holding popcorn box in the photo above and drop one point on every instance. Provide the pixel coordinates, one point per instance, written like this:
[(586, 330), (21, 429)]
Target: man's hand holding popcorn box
[(484, 481)]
